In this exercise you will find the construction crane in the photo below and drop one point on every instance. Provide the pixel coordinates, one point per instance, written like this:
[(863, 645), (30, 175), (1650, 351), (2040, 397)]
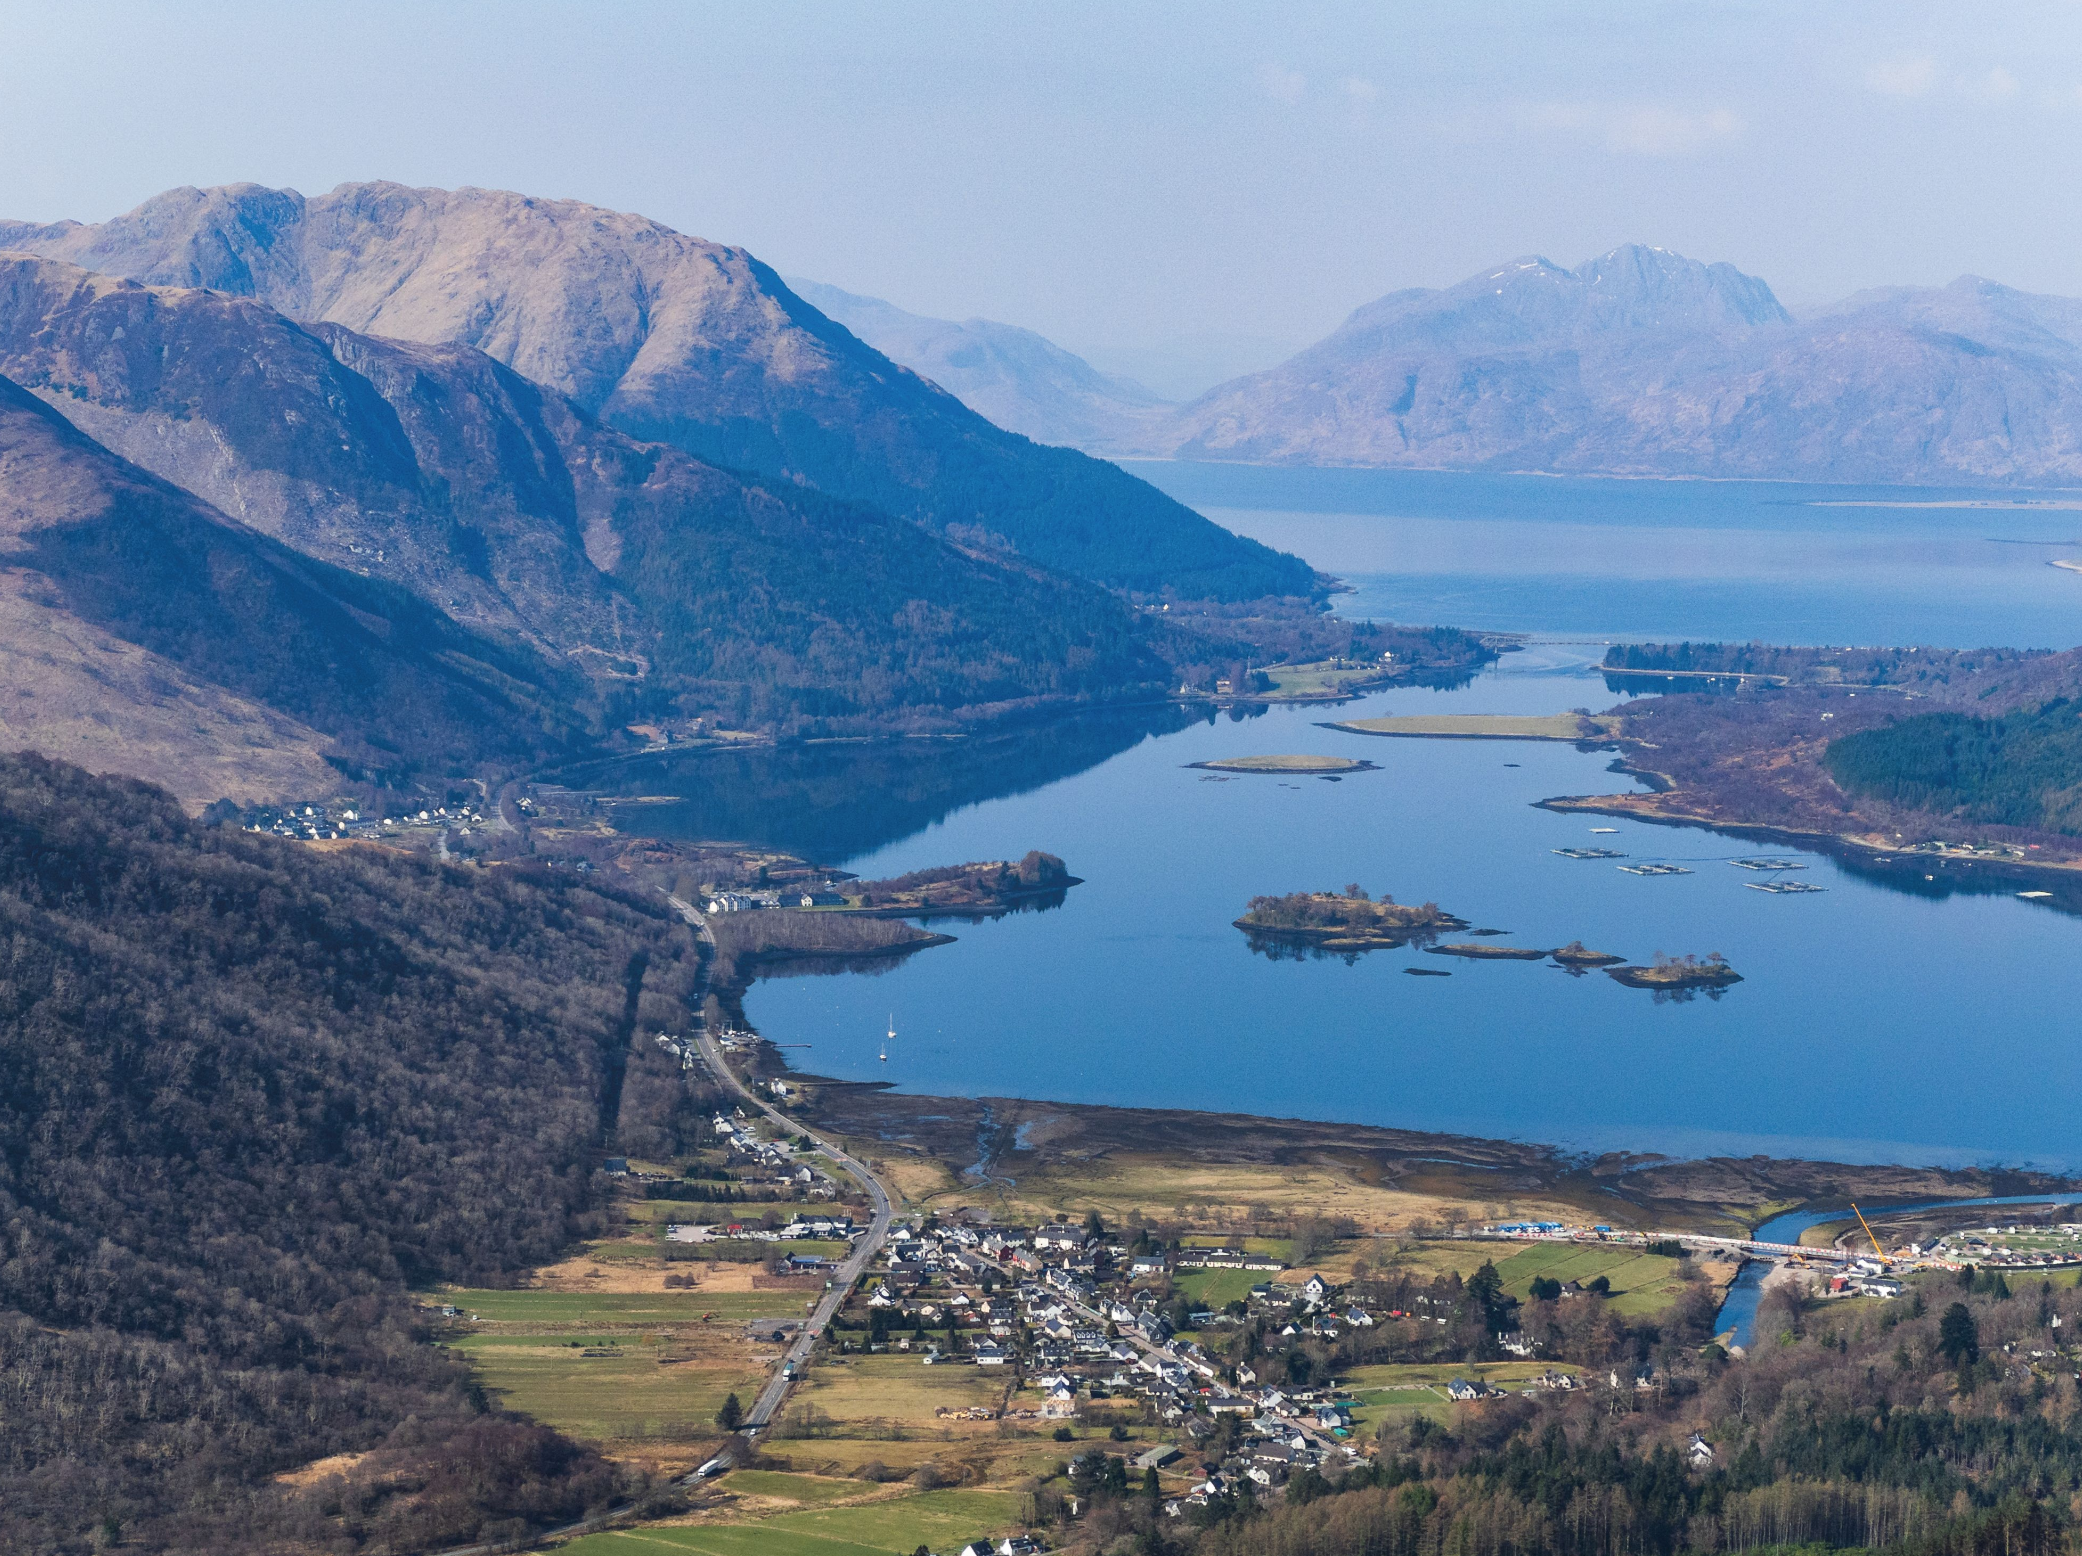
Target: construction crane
[(1869, 1231)]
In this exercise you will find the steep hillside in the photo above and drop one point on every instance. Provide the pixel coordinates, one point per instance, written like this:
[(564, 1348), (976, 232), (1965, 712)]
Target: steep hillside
[(145, 632), (671, 586), (255, 1093), (671, 339), (1020, 380), (1644, 362)]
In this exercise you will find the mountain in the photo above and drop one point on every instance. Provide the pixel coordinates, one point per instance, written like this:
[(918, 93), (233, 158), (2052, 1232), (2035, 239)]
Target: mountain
[(662, 583), (1020, 380), (670, 339), (1643, 362), (145, 632)]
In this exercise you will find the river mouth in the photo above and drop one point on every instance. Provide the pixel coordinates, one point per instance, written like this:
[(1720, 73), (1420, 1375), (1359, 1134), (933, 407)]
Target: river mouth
[(1738, 1312)]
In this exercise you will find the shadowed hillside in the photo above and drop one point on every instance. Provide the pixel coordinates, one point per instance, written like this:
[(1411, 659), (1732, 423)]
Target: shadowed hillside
[(671, 339)]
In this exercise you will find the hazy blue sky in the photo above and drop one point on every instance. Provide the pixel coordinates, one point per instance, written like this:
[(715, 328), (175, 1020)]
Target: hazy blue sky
[(1142, 182)]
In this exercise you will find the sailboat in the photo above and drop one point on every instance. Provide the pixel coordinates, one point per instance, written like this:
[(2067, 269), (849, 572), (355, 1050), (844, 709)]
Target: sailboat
[(890, 1038)]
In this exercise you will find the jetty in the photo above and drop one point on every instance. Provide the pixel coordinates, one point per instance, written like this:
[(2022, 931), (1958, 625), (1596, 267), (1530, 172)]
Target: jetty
[(1655, 869)]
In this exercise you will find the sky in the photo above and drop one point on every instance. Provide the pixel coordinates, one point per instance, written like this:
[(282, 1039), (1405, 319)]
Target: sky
[(1184, 191)]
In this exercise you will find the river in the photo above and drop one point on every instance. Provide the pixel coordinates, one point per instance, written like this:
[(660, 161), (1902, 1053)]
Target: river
[(1888, 1018), (1739, 1309)]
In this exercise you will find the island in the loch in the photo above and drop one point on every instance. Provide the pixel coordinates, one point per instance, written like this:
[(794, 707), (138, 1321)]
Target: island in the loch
[(1349, 920), (1678, 972), (1578, 956), (1489, 953), (1286, 765)]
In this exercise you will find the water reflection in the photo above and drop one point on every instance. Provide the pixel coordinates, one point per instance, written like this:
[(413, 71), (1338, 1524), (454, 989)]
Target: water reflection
[(834, 800)]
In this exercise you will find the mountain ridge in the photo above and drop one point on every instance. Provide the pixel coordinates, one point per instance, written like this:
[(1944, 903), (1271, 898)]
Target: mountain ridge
[(1674, 368), (669, 585), (671, 339)]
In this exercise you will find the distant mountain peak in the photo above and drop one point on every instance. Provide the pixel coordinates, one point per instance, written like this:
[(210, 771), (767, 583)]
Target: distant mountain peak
[(1644, 286)]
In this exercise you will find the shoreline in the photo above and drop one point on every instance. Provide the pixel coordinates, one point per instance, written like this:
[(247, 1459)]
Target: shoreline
[(1613, 805), (1020, 1137)]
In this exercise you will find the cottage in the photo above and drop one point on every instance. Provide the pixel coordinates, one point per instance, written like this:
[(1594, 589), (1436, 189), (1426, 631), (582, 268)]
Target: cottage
[(1699, 1453)]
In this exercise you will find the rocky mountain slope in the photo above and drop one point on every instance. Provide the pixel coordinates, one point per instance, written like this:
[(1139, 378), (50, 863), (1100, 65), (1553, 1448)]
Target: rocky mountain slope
[(1643, 362), (671, 339), (1020, 380), (144, 632), (674, 588)]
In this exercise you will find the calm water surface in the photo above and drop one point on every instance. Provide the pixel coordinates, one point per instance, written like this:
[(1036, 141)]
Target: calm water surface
[(1888, 1018), (1667, 559)]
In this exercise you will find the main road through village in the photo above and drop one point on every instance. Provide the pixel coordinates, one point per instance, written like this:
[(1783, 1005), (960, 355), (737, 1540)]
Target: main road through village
[(767, 1406)]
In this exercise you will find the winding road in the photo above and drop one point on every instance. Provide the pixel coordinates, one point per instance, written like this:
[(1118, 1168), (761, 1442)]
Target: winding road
[(768, 1405)]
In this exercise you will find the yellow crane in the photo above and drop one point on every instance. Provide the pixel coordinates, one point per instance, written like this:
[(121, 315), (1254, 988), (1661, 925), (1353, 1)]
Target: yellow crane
[(1868, 1231)]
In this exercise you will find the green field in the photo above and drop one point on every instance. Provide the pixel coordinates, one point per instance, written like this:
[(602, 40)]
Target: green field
[(1399, 1391), (629, 1394), (661, 1210), (530, 1351), (616, 1307), (1270, 1247), (896, 1527), (1217, 1288), (1641, 1282)]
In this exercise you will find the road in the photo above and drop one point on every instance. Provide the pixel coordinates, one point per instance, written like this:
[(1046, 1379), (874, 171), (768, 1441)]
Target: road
[(768, 1405)]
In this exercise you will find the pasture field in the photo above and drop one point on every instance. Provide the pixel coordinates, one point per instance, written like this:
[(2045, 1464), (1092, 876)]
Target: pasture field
[(618, 1366), (624, 1307), (658, 1211), (1268, 1247), (896, 1390), (896, 1526), (1399, 1391), (1641, 1282), (627, 1394), (1217, 1288)]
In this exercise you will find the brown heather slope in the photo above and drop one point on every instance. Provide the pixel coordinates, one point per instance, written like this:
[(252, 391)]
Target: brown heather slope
[(143, 632), (672, 339), (667, 584)]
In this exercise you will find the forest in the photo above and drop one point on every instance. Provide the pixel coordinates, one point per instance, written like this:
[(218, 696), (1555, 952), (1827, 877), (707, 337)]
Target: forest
[(255, 1096), (2020, 769)]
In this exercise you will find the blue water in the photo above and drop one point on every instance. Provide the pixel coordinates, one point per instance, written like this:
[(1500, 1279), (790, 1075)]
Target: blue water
[(1892, 1017), (1874, 1023), (1739, 1310), (1637, 560)]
